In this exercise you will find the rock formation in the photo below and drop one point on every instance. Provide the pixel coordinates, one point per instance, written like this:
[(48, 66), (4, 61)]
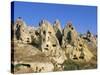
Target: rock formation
[(48, 47), (58, 30), (21, 32), (74, 45)]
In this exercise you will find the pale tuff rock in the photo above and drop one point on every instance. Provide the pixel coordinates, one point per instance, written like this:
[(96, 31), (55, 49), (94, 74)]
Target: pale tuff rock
[(49, 42), (38, 64), (35, 66), (21, 31), (75, 48), (48, 38), (47, 47), (58, 30), (35, 36), (29, 57), (91, 38), (69, 35), (90, 41)]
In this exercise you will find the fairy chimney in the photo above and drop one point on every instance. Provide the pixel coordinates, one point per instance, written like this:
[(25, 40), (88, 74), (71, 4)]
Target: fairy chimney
[(50, 44), (58, 30), (70, 35), (21, 31), (74, 46), (48, 38)]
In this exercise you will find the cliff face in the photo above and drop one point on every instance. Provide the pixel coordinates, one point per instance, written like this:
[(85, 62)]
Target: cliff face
[(36, 48)]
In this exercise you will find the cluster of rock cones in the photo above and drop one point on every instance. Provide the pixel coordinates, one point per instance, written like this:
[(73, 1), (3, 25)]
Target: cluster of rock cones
[(50, 48)]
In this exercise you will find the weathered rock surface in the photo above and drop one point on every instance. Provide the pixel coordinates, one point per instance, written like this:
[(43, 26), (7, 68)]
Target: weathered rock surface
[(74, 45), (21, 31), (48, 47), (58, 30)]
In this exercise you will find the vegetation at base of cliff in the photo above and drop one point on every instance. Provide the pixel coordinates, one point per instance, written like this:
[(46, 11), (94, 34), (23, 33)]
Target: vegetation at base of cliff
[(71, 65)]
